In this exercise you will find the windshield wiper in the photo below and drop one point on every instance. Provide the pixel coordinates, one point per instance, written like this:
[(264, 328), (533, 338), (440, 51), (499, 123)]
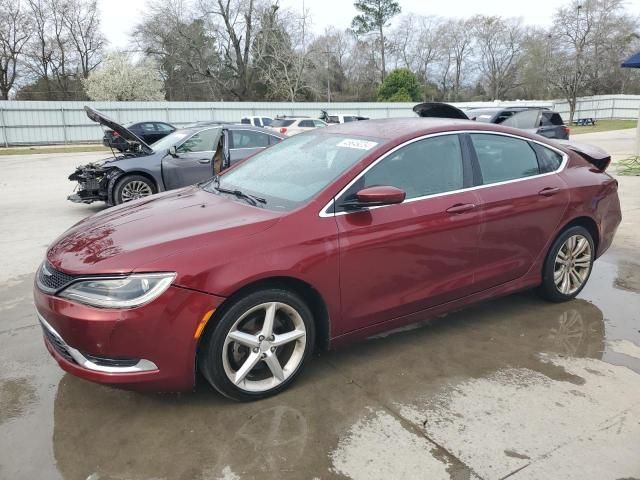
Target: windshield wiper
[(252, 199)]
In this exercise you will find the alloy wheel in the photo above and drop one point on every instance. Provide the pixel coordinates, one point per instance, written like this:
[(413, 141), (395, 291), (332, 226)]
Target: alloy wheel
[(264, 347), (134, 190), (572, 264)]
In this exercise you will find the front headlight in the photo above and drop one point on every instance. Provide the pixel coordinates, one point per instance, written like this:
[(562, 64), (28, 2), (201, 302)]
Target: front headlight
[(125, 292)]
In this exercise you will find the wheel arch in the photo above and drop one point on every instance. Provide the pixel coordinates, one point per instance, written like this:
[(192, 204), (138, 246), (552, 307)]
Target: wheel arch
[(123, 174), (589, 224), (306, 291)]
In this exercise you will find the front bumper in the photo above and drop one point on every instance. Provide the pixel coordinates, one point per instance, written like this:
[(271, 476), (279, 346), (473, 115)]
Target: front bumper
[(151, 347)]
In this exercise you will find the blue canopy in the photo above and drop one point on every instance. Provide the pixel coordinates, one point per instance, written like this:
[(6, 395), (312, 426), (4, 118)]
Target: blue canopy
[(632, 62)]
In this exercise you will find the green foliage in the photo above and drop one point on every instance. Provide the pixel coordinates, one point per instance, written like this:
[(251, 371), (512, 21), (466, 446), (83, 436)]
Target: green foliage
[(374, 14), (401, 85), (629, 166)]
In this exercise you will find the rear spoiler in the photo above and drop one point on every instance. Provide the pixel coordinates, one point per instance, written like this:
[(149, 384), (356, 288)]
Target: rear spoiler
[(594, 155)]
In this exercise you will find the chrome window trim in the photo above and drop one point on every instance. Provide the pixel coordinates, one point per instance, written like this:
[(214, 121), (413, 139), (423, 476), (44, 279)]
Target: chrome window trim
[(324, 213), (142, 365)]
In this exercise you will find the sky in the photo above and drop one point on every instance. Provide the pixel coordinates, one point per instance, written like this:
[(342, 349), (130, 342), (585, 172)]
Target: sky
[(324, 13)]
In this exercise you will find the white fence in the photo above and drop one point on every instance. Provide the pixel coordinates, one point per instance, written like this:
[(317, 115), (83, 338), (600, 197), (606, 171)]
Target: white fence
[(33, 123)]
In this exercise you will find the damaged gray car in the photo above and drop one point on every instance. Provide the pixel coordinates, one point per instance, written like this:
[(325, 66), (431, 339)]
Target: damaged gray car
[(184, 157)]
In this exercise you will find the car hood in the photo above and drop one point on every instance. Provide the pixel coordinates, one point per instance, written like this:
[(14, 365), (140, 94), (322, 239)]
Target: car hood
[(440, 110), (120, 239), (124, 132)]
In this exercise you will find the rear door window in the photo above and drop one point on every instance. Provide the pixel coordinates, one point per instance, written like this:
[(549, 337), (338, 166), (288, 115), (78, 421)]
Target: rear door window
[(163, 128), (245, 121), (549, 160), (248, 139), (550, 119), (306, 124), (502, 158), (266, 121)]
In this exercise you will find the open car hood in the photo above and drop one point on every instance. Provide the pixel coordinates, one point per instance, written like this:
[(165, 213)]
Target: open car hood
[(592, 154), (124, 132), (440, 110)]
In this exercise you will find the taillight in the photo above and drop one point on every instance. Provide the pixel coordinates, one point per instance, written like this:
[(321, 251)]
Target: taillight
[(115, 134), (283, 130), (567, 130)]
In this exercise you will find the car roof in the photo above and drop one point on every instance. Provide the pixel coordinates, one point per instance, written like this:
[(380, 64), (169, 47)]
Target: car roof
[(236, 126), (392, 128)]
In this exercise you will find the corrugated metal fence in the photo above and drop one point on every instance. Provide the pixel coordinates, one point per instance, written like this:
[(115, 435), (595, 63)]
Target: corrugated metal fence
[(33, 123)]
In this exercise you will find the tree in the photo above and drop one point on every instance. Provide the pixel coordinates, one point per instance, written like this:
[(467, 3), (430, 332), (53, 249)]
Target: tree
[(119, 79), (456, 40), (186, 50), (416, 44), (14, 34), (572, 28), (234, 26), (281, 56), (401, 85), (375, 16), (82, 21), (499, 43), (65, 47)]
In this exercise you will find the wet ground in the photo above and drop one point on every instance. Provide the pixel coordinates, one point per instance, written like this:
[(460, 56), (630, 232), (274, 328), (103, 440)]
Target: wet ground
[(515, 387)]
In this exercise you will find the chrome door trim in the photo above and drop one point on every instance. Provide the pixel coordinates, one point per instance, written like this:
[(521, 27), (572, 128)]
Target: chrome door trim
[(325, 211)]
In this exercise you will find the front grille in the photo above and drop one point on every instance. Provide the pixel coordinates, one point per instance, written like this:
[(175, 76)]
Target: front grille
[(59, 346), (51, 280), (90, 184)]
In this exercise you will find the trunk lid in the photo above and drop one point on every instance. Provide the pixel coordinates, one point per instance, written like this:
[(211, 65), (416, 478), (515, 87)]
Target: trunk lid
[(592, 154), (440, 110)]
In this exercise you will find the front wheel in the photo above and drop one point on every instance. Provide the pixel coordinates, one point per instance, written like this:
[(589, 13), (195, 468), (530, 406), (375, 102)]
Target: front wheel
[(132, 187), (259, 345), (568, 265)]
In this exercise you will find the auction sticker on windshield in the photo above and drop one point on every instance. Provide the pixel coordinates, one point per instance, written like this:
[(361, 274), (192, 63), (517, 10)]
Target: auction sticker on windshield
[(358, 144)]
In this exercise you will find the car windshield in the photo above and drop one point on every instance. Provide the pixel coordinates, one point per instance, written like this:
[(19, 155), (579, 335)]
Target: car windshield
[(289, 174), (170, 140)]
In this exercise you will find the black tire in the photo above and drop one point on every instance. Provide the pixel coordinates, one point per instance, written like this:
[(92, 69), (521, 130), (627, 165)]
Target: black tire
[(549, 290), (120, 188), (211, 354)]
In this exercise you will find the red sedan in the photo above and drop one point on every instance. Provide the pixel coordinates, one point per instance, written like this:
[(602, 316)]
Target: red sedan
[(331, 236)]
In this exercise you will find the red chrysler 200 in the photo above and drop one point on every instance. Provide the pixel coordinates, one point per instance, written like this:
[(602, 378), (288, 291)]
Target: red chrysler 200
[(330, 236)]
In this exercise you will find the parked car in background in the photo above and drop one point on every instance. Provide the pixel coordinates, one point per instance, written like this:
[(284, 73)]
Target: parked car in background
[(257, 121), (341, 118), (541, 121), (327, 237), (289, 126), (149, 132), (184, 157)]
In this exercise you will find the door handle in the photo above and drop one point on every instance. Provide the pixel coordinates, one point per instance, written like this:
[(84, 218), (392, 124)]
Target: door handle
[(203, 160), (461, 208), (549, 191)]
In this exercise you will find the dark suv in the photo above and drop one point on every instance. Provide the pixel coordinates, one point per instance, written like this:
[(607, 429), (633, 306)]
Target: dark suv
[(538, 120)]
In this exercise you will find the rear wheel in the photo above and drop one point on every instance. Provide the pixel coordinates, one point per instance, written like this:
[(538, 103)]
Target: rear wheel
[(568, 265), (259, 345), (132, 187)]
